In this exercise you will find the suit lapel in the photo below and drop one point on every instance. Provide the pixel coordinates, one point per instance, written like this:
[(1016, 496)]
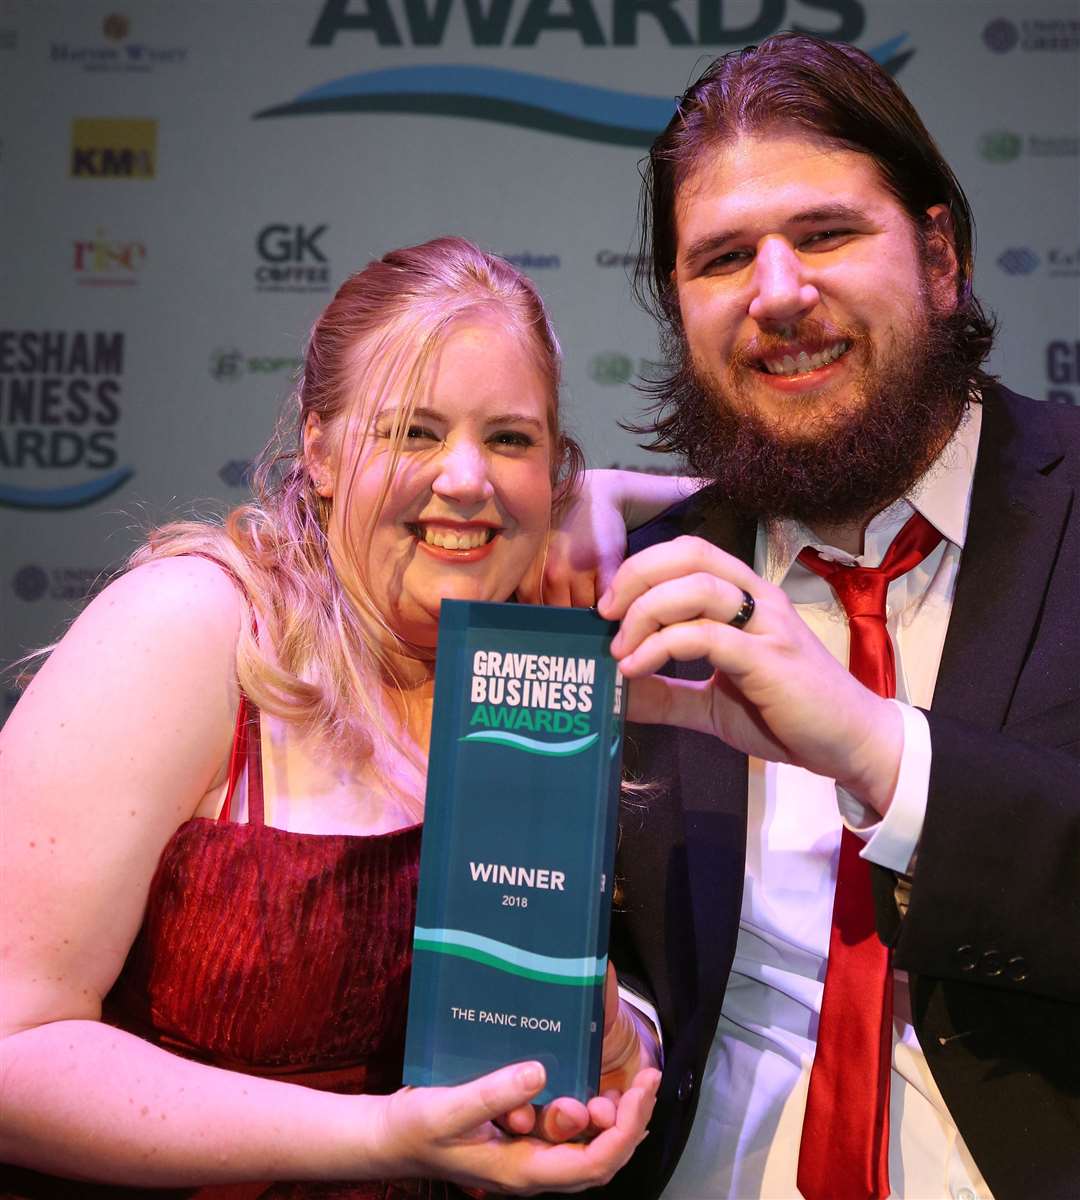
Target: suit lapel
[(1018, 510), (713, 780)]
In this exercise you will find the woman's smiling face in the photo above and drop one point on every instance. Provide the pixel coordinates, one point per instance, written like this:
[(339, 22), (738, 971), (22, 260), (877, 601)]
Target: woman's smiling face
[(469, 503)]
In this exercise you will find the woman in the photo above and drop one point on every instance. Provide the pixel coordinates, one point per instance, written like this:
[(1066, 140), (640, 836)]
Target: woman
[(215, 782)]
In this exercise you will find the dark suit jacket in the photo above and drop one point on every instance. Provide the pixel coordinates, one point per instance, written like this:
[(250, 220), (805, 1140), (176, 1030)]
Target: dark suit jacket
[(992, 935)]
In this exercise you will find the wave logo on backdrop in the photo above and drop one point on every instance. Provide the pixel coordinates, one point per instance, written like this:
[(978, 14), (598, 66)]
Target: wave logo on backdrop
[(116, 52), (60, 410), (1032, 34), (103, 262), (113, 148), (524, 99)]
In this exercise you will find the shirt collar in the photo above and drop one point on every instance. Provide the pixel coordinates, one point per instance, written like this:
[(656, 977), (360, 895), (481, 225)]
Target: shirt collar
[(942, 495)]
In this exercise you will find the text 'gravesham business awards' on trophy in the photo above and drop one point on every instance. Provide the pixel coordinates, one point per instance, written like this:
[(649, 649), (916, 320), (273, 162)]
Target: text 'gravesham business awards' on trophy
[(510, 947)]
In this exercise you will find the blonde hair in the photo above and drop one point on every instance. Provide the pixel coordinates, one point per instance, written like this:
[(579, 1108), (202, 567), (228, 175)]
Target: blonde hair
[(322, 657)]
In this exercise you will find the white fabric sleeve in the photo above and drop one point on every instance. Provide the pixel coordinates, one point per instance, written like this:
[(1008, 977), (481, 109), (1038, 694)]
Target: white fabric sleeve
[(644, 1009), (891, 841)]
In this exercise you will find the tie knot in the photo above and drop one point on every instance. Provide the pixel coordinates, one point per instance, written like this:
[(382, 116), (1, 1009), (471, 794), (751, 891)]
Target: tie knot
[(861, 590)]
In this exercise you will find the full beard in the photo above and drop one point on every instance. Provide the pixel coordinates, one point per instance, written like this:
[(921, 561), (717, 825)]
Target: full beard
[(843, 463)]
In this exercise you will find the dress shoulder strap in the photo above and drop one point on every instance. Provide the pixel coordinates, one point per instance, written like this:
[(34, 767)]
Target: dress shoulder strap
[(246, 752)]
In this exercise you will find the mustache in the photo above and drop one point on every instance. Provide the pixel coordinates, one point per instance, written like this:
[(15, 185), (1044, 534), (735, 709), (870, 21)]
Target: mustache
[(810, 335)]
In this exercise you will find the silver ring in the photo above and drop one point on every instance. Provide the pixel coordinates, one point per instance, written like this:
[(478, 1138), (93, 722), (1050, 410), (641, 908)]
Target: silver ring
[(746, 611)]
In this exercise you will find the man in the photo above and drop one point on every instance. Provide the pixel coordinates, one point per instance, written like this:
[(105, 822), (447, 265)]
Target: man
[(811, 265)]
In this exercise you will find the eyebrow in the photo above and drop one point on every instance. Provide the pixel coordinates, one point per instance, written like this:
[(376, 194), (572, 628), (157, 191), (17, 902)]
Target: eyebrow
[(805, 216), (432, 414)]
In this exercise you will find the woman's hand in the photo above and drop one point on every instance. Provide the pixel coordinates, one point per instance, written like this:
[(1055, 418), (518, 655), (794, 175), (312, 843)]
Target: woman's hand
[(630, 1046), (587, 541), (450, 1133)]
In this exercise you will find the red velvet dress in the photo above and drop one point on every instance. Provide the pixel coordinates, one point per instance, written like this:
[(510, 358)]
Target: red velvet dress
[(278, 954)]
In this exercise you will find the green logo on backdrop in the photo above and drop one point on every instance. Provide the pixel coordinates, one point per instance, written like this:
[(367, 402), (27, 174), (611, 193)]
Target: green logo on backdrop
[(1000, 145)]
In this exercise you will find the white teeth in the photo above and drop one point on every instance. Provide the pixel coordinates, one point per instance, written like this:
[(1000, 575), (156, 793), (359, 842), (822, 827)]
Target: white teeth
[(447, 539), (805, 362)]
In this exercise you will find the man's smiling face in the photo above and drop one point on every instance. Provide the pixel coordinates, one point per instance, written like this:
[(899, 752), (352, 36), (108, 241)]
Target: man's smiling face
[(800, 281)]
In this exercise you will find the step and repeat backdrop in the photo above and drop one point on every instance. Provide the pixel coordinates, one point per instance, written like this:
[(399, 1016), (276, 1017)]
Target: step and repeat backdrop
[(183, 186)]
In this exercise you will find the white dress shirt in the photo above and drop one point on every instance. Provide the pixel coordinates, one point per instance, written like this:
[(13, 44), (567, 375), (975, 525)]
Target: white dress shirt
[(745, 1139)]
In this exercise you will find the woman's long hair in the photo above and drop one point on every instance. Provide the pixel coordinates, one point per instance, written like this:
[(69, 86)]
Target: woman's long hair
[(322, 657)]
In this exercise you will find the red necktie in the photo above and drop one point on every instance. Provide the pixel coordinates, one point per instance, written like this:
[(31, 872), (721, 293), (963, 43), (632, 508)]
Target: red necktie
[(844, 1152)]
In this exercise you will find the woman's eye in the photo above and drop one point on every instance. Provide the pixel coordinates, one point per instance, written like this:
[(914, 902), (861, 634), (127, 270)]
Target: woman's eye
[(512, 437), (420, 433)]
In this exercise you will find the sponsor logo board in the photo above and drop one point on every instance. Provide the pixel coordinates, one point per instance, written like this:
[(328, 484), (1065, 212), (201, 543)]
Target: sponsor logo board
[(529, 260), (102, 261), (1006, 145), (515, 23), (229, 365), (617, 258), (568, 108), (236, 473), (1057, 262), (113, 148), (291, 259), (60, 415), (613, 368), (33, 582), (1032, 34), (1063, 371), (115, 50)]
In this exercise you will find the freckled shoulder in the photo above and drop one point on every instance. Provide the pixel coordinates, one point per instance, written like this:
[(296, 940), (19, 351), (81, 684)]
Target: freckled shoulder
[(122, 731)]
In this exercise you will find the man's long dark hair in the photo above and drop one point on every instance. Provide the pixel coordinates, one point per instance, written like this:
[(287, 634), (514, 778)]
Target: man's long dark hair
[(835, 92)]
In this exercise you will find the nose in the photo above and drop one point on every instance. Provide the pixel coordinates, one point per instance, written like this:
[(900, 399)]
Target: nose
[(782, 292), (463, 473)]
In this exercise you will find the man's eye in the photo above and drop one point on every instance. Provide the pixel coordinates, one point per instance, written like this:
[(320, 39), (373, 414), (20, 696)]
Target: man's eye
[(825, 237), (731, 261)]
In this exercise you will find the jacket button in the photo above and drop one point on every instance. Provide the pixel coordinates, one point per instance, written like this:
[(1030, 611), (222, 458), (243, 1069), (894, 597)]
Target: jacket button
[(686, 1086), (991, 964), (1016, 968), (964, 957)]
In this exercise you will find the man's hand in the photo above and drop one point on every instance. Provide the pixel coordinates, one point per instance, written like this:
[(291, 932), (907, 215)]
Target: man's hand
[(776, 692)]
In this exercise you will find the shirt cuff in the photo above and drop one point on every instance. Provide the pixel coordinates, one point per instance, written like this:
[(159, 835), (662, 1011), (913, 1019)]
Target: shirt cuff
[(641, 1006), (891, 841)]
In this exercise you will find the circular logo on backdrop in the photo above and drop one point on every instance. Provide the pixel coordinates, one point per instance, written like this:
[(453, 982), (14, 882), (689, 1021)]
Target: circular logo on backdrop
[(1018, 260), (611, 368), (1001, 36), (30, 582), (227, 364), (116, 27), (1000, 145)]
